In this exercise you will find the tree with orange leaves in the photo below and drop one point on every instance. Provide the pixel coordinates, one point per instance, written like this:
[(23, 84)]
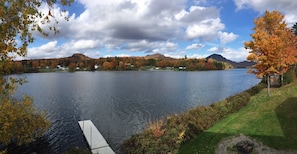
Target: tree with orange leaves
[(273, 46)]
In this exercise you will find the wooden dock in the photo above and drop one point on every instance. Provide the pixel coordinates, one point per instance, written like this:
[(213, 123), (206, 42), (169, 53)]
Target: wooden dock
[(96, 141)]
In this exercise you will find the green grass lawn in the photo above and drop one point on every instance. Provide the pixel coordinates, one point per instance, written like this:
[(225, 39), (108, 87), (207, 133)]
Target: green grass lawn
[(271, 120)]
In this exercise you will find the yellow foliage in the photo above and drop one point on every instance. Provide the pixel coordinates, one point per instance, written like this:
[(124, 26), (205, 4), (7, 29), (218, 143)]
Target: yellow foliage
[(181, 135), (19, 120)]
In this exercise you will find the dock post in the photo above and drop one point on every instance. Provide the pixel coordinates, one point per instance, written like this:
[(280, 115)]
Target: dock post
[(91, 136)]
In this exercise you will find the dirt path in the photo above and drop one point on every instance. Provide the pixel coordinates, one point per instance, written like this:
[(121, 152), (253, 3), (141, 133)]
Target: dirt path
[(226, 146)]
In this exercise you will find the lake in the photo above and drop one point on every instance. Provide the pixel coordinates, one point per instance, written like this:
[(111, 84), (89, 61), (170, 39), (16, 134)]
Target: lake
[(121, 103)]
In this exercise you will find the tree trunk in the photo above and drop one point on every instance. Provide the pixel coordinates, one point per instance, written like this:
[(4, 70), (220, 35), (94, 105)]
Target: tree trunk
[(268, 85), (282, 80), (294, 70)]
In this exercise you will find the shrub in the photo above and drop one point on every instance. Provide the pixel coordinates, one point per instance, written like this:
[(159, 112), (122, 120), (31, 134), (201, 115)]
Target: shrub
[(256, 89), (288, 77)]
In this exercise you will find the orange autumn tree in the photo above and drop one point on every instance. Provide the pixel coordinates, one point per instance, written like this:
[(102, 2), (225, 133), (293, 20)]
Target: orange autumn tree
[(272, 47)]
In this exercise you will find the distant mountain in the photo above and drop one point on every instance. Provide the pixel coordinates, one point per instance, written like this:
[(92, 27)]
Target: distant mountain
[(243, 64), (157, 56), (79, 57)]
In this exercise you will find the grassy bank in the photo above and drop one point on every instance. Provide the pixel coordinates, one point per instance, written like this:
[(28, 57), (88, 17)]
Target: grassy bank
[(167, 136), (271, 120)]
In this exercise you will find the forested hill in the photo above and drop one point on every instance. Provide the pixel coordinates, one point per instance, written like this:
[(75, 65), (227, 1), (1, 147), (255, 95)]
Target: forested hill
[(158, 56), (80, 62), (243, 64)]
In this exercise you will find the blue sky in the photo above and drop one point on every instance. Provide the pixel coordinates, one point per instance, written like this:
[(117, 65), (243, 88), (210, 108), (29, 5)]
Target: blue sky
[(196, 28)]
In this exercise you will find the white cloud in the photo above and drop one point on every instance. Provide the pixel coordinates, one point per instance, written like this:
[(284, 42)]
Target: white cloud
[(48, 50), (171, 45), (235, 54), (105, 56), (53, 50), (132, 26), (288, 7), (226, 38), (84, 44), (93, 54), (168, 46), (58, 22), (194, 46), (213, 49), (123, 55), (181, 14), (164, 48), (206, 30), (176, 55), (198, 56)]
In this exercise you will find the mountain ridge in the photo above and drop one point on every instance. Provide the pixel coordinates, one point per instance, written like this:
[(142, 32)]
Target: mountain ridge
[(78, 57), (243, 64), (157, 56)]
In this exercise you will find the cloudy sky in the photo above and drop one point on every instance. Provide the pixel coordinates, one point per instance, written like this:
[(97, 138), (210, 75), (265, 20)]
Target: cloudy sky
[(175, 28)]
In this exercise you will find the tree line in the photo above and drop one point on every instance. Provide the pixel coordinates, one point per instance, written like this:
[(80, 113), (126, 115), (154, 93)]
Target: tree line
[(81, 62)]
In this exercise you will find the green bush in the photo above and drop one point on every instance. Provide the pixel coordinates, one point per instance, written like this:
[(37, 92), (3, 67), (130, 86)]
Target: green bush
[(288, 77), (256, 89), (166, 137)]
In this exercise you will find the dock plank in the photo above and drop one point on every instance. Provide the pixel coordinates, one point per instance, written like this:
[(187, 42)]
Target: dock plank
[(96, 141)]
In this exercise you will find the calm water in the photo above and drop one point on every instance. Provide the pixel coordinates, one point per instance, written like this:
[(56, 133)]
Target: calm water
[(121, 103)]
